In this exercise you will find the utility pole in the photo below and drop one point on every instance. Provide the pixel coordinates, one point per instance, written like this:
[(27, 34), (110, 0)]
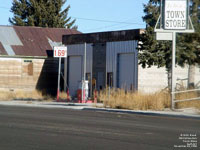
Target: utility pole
[(84, 72)]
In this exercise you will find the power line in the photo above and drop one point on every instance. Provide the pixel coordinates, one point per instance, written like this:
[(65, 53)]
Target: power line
[(104, 27), (99, 20), (116, 26), (90, 19)]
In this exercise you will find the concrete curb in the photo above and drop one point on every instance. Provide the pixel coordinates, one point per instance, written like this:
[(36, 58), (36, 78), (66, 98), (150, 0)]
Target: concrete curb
[(147, 113), (91, 107)]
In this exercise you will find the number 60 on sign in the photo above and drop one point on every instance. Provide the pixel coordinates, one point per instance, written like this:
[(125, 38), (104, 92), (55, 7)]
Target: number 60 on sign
[(60, 52)]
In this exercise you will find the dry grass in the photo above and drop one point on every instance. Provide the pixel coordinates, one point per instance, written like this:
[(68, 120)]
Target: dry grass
[(4, 95), (142, 101), (195, 103), (63, 96), (29, 95), (24, 95), (136, 101), (117, 99)]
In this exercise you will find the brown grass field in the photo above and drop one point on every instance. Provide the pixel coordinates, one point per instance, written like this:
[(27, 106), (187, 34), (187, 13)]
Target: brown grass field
[(117, 99), (142, 101), (28, 95)]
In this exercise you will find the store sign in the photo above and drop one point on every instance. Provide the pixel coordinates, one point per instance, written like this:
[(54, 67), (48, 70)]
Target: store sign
[(175, 14), (60, 52)]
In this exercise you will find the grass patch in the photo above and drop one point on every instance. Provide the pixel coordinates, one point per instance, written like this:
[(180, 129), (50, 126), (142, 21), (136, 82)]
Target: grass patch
[(63, 96), (30, 95), (24, 95), (5, 95), (194, 103), (142, 101)]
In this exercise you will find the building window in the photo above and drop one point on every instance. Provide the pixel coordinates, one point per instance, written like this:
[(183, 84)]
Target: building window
[(28, 67)]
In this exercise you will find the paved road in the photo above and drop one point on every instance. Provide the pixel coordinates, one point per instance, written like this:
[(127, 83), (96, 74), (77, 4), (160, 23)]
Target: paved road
[(24, 128)]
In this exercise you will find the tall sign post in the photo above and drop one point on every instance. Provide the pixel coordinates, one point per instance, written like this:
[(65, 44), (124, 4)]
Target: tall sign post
[(174, 19), (59, 52), (83, 90)]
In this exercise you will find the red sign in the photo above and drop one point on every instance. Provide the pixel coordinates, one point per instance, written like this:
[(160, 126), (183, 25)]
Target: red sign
[(60, 52)]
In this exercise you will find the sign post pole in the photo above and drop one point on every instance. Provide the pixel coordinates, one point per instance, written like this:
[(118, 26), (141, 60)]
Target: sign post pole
[(59, 52), (174, 19), (59, 69), (84, 72), (65, 75), (173, 70)]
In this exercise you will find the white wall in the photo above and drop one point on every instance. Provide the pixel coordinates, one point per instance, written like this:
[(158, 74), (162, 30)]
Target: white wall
[(155, 79)]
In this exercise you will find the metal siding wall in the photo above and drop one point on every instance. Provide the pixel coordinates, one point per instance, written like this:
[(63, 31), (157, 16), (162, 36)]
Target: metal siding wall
[(126, 74), (75, 73), (115, 48), (78, 50)]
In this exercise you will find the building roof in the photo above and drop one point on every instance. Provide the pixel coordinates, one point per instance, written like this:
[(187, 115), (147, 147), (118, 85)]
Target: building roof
[(102, 37), (30, 41)]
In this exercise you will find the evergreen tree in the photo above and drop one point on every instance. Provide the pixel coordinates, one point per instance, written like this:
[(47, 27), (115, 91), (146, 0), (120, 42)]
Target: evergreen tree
[(151, 51), (190, 44), (158, 53), (42, 13)]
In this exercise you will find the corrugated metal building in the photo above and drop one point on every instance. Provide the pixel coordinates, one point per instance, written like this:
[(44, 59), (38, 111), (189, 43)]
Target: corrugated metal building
[(26, 60), (111, 59)]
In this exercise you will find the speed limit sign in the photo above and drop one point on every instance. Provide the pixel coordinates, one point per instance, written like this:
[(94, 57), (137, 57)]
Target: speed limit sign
[(60, 52)]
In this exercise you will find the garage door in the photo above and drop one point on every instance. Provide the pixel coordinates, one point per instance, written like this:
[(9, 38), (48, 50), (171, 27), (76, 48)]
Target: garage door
[(75, 73), (126, 74)]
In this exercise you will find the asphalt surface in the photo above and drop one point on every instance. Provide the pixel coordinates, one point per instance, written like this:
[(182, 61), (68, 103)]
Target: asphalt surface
[(26, 128)]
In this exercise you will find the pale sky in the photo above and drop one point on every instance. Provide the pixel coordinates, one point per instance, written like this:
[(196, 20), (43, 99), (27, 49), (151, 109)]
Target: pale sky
[(96, 15)]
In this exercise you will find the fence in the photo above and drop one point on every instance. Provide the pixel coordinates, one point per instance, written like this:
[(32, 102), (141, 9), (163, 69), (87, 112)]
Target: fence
[(181, 88)]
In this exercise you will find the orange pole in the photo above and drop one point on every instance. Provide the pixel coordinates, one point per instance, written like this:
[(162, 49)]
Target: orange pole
[(83, 100), (95, 96), (68, 95), (58, 95)]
